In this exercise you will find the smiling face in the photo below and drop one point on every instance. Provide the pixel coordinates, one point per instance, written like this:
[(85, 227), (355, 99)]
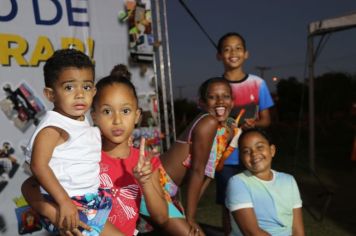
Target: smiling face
[(72, 93), (256, 154), (115, 113), (232, 53), (218, 100)]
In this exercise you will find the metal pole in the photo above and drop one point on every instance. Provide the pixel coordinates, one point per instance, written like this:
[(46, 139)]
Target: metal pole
[(162, 75), (311, 105), (156, 80), (157, 92), (169, 72)]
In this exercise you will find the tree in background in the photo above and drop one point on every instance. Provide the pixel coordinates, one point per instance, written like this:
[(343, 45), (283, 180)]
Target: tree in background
[(185, 111), (290, 93), (334, 95), (335, 98)]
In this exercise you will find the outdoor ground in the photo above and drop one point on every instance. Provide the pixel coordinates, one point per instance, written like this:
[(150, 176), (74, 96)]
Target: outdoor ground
[(328, 194)]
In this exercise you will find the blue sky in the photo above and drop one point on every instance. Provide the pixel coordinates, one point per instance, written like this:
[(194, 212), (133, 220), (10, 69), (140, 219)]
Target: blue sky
[(276, 35)]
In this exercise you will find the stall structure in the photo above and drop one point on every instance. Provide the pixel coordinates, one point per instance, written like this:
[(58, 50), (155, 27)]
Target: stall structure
[(111, 32)]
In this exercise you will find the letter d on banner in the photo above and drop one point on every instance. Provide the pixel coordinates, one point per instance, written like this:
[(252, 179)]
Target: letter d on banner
[(56, 19), (12, 13)]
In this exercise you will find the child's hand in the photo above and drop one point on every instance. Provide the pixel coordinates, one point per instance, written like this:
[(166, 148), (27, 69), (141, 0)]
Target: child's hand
[(68, 216), (231, 123), (143, 169), (75, 231), (249, 123), (195, 229)]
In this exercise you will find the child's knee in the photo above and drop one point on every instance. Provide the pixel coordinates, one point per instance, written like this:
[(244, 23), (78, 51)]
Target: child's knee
[(162, 220)]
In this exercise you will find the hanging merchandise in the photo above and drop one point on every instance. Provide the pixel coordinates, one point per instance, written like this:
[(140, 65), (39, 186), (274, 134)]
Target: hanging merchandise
[(28, 220), (8, 164), (139, 17), (21, 106), (148, 126), (153, 138)]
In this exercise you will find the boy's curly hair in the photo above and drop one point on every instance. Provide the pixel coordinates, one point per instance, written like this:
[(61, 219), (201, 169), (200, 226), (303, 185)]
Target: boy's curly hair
[(65, 58)]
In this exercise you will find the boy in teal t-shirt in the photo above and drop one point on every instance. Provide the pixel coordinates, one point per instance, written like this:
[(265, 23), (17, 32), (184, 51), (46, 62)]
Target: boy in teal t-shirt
[(260, 200)]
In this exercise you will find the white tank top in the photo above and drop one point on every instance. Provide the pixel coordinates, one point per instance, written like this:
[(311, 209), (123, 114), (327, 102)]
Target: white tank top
[(75, 163)]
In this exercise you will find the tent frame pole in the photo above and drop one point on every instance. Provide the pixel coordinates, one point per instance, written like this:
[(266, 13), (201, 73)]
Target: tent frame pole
[(311, 104)]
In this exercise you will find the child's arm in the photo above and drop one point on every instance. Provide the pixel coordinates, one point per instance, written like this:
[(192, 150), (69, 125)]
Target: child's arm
[(238, 195), (205, 185), (31, 191), (202, 141), (45, 142), (247, 221), (152, 190), (155, 199), (298, 226), (264, 118)]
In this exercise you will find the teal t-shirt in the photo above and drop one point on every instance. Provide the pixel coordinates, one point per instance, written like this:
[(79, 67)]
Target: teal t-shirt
[(273, 201)]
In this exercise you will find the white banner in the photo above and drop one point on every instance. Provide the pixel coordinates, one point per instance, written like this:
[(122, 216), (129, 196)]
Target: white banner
[(29, 33)]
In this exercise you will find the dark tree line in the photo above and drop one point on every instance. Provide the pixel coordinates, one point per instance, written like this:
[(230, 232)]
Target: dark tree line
[(335, 95)]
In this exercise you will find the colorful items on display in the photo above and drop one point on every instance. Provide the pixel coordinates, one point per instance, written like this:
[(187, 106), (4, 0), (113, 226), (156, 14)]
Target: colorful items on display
[(28, 220), (8, 164), (152, 135), (139, 17), (148, 127), (21, 106)]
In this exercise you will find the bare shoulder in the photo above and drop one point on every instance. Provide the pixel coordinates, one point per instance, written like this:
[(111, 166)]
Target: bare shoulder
[(51, 133), (208, 121), (207, 125)]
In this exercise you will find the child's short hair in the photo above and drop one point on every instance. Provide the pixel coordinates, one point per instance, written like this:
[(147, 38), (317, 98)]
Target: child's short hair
[(111, 80), (227, 35), (259, 130), (203, 89), (65, 58)]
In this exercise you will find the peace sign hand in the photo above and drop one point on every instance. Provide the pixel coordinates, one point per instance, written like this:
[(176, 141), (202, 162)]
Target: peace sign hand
[(143, 169)]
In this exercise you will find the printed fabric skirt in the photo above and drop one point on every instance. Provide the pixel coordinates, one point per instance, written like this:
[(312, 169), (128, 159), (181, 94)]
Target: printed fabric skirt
[(97, 207)]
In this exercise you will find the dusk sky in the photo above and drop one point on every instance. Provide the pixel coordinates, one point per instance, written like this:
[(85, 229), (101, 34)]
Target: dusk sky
[(275, 32)]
